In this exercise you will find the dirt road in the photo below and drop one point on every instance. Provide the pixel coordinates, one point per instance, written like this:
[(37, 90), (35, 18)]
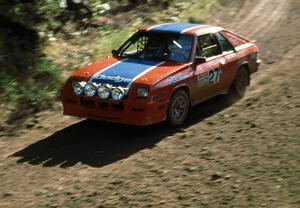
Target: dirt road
[(243, 155)]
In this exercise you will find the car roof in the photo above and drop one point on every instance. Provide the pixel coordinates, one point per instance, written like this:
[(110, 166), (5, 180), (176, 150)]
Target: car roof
[(182, 28)]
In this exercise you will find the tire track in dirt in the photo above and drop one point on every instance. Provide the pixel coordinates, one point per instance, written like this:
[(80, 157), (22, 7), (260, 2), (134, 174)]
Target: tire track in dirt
[(271, 24), (262, 17), (256, 11), (266, 22)]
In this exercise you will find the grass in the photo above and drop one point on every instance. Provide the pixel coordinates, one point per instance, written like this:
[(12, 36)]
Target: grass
[(35, 91), (113, 40), (199, 11)]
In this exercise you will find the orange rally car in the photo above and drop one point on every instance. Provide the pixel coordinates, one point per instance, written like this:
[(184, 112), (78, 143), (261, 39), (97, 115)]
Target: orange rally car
[(159, 73)]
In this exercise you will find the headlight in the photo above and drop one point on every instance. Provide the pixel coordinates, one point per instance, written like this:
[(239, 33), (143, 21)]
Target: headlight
[(90, 89), (104, 91), (78, 87), (117, 93), (142, 92)]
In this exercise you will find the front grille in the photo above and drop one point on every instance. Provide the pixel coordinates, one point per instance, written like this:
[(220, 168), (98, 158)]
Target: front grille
[(88, 103), (103, 117), (118, 107), (105, 106), (138, 109)]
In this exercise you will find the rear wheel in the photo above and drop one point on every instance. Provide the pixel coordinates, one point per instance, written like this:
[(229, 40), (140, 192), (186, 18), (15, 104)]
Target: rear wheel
[(241, 82), (178, 108)]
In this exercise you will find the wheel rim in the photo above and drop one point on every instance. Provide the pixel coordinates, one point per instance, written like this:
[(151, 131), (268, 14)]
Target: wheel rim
[(179, 108), (242, 82)]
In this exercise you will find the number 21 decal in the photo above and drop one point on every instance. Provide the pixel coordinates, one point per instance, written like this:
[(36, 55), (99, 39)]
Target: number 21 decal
[(209, 78), (214, 76)]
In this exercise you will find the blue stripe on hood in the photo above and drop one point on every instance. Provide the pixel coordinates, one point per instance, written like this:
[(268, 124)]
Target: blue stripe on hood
[(124, 72)]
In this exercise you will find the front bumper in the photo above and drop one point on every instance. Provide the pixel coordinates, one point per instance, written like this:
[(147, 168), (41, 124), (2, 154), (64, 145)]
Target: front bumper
[(132, 112)]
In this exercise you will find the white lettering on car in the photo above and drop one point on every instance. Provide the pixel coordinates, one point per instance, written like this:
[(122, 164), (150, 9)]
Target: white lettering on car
[(114, 78)]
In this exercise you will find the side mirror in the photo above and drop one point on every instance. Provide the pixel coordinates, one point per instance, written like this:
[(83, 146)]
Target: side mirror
[(115, 52), (199, 60)]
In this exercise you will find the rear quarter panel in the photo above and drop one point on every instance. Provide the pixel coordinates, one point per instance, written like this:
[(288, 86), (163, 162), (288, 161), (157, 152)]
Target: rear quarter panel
[(245, 56)]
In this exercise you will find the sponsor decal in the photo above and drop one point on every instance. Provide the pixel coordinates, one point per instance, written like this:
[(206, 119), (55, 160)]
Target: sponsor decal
[(209, 78), (159, 96), (116, 79), (178, 77)]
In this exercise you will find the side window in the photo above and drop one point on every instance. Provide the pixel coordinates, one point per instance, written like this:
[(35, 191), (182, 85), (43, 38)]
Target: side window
[(225, 45), (207, 46)]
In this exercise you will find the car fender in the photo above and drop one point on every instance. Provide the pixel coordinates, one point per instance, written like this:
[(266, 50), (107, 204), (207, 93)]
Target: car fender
[(183, 86)]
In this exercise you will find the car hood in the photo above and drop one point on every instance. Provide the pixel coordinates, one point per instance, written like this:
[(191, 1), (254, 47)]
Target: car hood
[(125, 72)]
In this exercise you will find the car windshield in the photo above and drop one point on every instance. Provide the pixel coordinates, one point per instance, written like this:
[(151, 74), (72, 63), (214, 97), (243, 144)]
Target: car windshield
[(158, 46)]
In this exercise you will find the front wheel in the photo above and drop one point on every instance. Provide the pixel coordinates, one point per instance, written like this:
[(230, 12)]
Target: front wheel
[(178, 108)]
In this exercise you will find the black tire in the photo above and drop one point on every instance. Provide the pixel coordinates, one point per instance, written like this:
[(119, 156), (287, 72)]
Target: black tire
[(240, 83), (178, 108)]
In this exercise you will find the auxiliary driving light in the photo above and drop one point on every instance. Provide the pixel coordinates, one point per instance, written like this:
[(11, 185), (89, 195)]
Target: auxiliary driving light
[(117, 93), (78, 87), (90, 89), (104, 91)]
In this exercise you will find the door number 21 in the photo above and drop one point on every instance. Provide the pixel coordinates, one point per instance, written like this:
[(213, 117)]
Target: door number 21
[(214, 76)]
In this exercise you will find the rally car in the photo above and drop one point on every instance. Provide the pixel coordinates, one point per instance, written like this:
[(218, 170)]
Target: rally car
[(160, 72)]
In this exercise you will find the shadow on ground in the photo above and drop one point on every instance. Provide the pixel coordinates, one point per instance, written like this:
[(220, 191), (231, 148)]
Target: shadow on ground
[(97, 144)]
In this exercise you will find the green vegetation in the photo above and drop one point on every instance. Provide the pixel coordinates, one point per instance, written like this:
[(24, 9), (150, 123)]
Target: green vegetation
[(198, 12), (42, 42), (104, 45), (36, 90)]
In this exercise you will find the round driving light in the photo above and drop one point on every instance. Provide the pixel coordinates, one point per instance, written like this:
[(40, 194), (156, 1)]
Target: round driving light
[(104, 91), (78, 87), (117, 93), (90, 89)]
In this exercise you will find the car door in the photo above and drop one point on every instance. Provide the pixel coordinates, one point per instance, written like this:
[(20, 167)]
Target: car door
[(209, 72), (230, 61)]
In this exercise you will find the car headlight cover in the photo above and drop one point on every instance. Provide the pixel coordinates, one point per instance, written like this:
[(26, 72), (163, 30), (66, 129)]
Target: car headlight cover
[(104, 91), (117, 93), (78, 87), (90, 89), (142, 92)]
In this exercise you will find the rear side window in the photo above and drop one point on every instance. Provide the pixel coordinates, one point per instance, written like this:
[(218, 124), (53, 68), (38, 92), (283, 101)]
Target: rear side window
[(225, 45), (233, 39), (207, 46)]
